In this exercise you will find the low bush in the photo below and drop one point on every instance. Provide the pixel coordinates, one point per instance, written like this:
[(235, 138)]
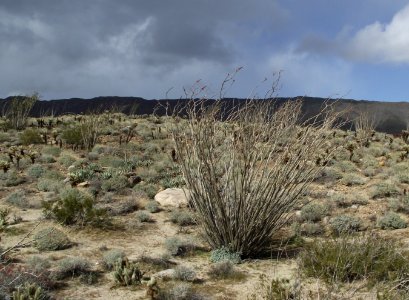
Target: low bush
[(152, 207), (18, 199), (350, 258), (111, 257), (31, 136), (345, 224), (75, 208), (36, 171), (182, 218), (184, 273), (313, 212), (222, 270), (179, 247), (384, 189), (143, 216), (73, 266), (51, 239), (224, 254), (392, 220)]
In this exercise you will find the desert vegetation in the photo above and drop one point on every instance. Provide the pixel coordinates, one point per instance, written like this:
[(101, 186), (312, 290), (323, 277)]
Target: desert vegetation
[(247, 201)]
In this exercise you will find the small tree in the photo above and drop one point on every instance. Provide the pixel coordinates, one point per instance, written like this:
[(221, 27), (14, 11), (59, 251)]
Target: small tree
[(18, 109), (246, 167)]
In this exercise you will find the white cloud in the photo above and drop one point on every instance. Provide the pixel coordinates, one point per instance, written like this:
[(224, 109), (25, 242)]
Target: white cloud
[(382, 42)]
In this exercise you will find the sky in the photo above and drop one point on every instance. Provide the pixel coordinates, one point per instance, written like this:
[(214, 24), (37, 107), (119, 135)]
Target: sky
[(163, 49)]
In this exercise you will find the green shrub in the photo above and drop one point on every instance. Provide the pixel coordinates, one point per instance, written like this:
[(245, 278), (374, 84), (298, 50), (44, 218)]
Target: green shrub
[(51, 239), (224, 254), (48, 159), (152, 207), (49, 185), (18, 199), (179, 247), (51, 150), (66, 160), (313, 212), (350, 258), (392, 221), (149, 189), (182, 218), (38, 264), (184, 273), (345, 224), (30, 136), (353, 179), (111, 257), (73, 266), (75, 207), (72, 135), (311, 229), (115, 184), (36, 171), (384, 189), (13, 179), (143, 216)]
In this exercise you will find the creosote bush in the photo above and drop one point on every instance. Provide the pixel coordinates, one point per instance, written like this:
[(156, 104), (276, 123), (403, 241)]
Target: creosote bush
[(392, 220), (247, 165)]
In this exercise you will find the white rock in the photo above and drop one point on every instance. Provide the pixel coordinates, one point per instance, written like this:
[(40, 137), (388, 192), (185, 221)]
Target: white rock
[(173, 197), (165, 274)]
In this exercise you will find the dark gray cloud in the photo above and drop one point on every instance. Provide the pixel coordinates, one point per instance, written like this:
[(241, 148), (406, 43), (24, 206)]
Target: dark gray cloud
[(89, 48)]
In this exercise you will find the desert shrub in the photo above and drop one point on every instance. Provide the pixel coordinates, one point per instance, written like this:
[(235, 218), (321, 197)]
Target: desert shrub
[(38, 264), (350, 258), (13, 179), (182, 218), (30, 136), (384, 189), (18, 199), (400, 205), (4, 137), (392, 220), (240, 200), (275, 289), (340, 200), (54, 174), (150, 190), (179, 247), (331, 173), (66, 160), (115, 184), (353, 179), (111, 257), (313, 212), (51, 239), (51, 150), (369, 172), (93, 156), (224, 254), (345, 166), (143, 216), (359, 199), (46, 158), (36, 171), (182, 291), (49, 185), (152, 207), (73, 266), (72, 135), (184, 273), (222, 270), (311, 229), (345, 224), (75, 207)]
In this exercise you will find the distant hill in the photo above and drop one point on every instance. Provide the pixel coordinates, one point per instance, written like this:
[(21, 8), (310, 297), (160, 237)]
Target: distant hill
[(391, 117)]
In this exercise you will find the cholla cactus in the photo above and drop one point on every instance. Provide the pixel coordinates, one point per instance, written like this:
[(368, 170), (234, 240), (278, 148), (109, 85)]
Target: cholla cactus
[(127, 273), (32, 155), (5, 165), (29, 292)]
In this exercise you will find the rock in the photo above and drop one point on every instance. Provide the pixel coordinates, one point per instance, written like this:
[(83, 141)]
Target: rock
[(83, 184), (167, 274), (173, 197), (71, 168), (67, 180)]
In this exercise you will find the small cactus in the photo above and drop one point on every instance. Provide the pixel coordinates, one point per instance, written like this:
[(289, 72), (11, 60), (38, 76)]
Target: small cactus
[(5, 165), (127, 273), (29, 292)]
